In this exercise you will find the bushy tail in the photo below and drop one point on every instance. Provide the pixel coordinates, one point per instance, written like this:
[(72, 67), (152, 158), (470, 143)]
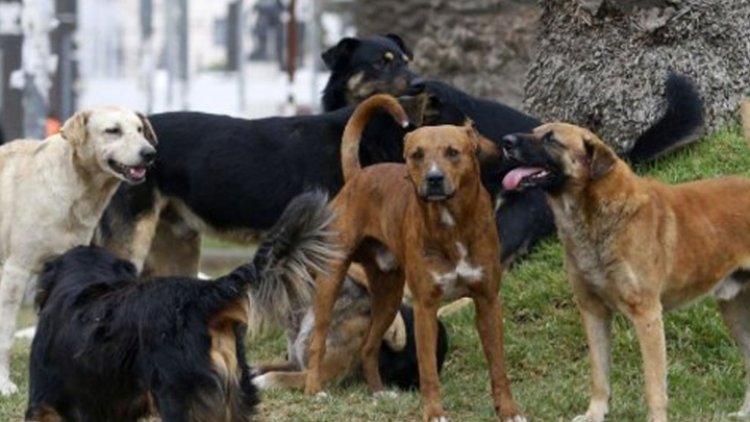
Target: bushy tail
[(280, 279), (356, 125), (681, 124)]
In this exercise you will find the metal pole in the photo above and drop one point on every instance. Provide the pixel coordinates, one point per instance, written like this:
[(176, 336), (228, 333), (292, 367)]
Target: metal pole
[(184, 42), (147, 53), (315, 51), (36, 62), (240, 59), (291, 61), (170, 53)]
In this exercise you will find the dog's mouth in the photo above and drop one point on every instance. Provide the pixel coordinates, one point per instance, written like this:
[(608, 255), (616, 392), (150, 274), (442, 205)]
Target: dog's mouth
[(526, 177), (132, 174)]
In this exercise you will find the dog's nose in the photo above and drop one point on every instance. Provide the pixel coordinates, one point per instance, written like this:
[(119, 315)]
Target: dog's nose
[(148, 155), (435, 178), (509, 141)]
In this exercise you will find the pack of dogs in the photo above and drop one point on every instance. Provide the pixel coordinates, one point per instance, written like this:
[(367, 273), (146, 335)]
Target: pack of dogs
[(401, 187)]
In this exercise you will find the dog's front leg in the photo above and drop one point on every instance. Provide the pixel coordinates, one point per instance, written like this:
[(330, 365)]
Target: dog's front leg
[(489, 323), (597, 321), (14, 280), (647, 318), (425, 327)]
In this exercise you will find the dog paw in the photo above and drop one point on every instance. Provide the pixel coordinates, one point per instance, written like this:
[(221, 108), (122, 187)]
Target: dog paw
[(440, 419), (7, 387), (262, 382), (322, 396), (517, 418), (385, 394)]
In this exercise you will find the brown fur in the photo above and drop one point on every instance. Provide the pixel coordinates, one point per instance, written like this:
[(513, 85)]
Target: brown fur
[(640, 247), (386, 224)]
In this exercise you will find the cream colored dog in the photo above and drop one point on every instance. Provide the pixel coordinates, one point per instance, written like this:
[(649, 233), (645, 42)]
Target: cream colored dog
[(53, 193)]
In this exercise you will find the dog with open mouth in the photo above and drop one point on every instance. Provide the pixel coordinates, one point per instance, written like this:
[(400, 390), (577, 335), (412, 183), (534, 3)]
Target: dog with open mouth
[(638, 246), (53, 194)]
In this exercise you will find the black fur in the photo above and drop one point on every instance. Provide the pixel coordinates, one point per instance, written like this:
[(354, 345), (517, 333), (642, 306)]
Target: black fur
[(401, 368), (106, 342), (681, 123)]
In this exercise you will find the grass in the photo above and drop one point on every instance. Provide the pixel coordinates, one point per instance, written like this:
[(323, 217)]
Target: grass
[(546, 351)]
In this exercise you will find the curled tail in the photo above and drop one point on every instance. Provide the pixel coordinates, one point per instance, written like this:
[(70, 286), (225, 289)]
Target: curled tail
[(279, 279), (356, 125), (680, 125)]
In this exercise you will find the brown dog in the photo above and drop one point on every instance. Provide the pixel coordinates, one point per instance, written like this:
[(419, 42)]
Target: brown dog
[(429, 222), (638, 246)]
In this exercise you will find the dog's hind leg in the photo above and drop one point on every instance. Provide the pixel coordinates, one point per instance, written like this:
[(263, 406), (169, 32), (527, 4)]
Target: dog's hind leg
[(13, 283), (736, 314), (386, 292)]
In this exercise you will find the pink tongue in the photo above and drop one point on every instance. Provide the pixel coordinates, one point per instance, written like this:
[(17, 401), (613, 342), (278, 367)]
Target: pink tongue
[(514, 177), (137, 172)]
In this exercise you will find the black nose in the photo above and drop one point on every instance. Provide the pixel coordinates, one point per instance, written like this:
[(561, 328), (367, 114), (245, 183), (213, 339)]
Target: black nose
[(509, 141), (148, 155), (435, 178)]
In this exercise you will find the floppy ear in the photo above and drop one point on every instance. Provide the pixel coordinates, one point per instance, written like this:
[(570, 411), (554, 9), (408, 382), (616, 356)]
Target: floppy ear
[(401, 44), (74, 129), (335, 56), (148, 130), (601, 158)]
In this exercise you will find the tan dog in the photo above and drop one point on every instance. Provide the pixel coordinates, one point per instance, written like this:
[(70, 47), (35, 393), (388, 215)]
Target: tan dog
[(52, 195), (638, 246), (429, 222)]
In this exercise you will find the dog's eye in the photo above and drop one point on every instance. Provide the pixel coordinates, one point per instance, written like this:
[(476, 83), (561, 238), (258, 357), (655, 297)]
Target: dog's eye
[(549, 138), (417, 155), (451, 152), (112, 130), (140, 129)]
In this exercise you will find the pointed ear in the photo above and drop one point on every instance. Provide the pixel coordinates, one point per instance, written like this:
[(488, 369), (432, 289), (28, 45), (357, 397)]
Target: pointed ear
[(337, 55), (601, 158), (74, 129), (148, 130), (401, 44), (471, 132)]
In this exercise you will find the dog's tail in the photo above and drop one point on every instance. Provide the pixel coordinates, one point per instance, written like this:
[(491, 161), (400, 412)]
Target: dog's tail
[(356, 125), (681, 124), (279, 280)]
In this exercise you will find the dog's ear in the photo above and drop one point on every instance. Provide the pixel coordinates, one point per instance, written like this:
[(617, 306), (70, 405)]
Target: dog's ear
[(601, 158), (148, 130), (484, 148), (74, 129), (401, 44), (337, 55)]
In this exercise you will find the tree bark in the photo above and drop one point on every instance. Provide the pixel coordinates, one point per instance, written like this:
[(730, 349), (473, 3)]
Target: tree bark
[(602, 63), (481, 46)]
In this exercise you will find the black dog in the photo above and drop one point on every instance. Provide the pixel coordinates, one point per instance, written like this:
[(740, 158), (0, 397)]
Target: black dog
[(364, 67), (111, 348)]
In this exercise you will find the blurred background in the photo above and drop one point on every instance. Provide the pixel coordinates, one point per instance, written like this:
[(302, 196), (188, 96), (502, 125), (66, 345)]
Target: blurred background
[(249, 58)]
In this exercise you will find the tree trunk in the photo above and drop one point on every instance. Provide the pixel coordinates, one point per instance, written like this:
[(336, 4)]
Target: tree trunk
[(602, 63), (481, 46)]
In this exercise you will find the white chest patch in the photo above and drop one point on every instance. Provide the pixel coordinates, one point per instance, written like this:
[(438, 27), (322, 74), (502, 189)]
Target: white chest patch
[(464, 271), (446, 218)]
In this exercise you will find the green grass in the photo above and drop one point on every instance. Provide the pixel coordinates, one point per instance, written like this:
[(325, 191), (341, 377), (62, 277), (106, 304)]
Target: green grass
[(546, 351)]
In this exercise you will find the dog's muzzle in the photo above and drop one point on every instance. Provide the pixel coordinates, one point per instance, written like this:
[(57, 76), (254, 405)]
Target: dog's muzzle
[(433, 186)]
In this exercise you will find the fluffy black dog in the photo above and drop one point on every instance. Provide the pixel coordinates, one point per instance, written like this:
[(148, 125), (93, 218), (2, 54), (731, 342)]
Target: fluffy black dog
[(111, 348)]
